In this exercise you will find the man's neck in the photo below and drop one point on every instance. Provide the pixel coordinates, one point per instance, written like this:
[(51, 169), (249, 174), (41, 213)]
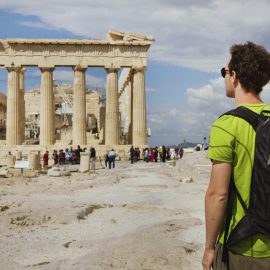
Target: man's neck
[(243, 97)]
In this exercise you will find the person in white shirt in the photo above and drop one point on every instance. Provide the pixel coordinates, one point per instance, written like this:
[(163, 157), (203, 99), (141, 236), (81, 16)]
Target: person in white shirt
[(112, 155)]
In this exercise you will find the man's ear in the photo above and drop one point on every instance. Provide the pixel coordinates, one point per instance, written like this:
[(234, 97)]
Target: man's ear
[(234, 79)]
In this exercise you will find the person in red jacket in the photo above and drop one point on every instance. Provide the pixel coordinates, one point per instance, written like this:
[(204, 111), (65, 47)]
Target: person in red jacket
[(46, 159)]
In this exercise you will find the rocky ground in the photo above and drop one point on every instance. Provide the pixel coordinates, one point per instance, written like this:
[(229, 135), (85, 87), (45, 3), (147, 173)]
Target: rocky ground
[(135, 217)]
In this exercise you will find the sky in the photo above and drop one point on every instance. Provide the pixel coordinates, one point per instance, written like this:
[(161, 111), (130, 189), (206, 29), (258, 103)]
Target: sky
[(184, 90)]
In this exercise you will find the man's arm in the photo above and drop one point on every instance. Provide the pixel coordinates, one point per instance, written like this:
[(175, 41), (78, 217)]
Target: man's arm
[(215, 205)]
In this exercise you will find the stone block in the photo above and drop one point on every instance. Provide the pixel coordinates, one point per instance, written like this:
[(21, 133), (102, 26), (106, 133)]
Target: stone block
[(84, 162), (59, 171)]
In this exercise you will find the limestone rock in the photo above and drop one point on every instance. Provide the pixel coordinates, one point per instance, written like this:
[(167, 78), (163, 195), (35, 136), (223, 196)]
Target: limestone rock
[(58, 171), (187, 180)]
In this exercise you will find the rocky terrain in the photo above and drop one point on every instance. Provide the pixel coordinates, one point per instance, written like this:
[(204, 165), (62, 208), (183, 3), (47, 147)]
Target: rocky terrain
[(145, 216)]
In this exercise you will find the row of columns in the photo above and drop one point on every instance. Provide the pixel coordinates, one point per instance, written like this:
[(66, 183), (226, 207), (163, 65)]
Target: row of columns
[(16, 107)]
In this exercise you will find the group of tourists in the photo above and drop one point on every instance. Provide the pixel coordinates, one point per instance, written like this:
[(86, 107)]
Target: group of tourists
[(72, 156), (67, 156), (156, 153), (134, 154)]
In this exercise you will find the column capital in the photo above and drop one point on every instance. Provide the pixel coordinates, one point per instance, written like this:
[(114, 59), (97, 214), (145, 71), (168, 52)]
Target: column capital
[(111, 69), (43, 69), (138, 69), (13, 68), (80, 68)]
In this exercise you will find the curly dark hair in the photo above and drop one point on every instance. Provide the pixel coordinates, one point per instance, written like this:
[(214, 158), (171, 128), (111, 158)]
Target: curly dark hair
[(251, 64)]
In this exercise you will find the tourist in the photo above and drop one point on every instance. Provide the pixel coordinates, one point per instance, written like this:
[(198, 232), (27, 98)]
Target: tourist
[(78, 154), (137, 154), (111, 157), (55, 157), (168, 155), (132, 154), (46, 159), (181, 152), (152, 155), (61, 157), (73, 157), (176, 152), (92, 159), (172, 154), (163, 153), (106, 158), (67, 156), (232, 147), (205, 144), (156, 154), (146, 155)]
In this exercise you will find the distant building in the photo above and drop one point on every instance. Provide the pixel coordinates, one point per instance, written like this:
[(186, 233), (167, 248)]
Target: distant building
[(95, 113)]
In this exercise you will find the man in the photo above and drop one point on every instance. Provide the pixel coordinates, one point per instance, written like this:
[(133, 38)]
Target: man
[(112, 156), (205, 144), (55, 157), (163, 153), (232, 146), (78, 154), (92, 159), (132, 154), (146, 155)]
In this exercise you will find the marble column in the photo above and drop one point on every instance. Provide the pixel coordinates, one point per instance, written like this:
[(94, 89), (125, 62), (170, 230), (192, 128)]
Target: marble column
[(129, 89), (112, 108), (47, 108), (22, 103), (79, 107), (139, 132), (13, 124)]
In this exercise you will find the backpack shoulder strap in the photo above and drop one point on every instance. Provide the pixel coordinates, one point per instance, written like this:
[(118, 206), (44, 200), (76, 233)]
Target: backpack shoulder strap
[(248, 115)]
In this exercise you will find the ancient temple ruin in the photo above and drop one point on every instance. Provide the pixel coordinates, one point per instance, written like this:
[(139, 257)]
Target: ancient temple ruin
[(119, 50)]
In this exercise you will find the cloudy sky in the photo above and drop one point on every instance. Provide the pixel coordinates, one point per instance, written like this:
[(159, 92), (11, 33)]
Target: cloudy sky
[(185, 92)]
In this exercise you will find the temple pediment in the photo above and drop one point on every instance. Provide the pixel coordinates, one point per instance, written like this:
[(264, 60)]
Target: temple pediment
[(120, 36)]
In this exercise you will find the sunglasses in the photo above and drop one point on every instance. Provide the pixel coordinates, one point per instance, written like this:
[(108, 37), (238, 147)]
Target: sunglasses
[(224, 71)]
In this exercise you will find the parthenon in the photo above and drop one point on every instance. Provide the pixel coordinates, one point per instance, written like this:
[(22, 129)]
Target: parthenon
[(119, 50)]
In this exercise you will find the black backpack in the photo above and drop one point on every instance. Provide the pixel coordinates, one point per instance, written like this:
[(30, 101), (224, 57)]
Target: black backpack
[(257, 214)]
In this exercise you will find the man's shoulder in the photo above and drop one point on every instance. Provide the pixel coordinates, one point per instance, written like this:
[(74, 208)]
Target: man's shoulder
[(225, 122), (230, 122)]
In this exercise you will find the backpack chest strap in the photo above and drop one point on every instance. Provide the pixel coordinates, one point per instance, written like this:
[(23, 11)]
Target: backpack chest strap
[(248, 115)]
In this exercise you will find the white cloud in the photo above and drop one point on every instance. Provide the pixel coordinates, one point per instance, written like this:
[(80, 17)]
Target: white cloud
[(204, 105), (35, 25), (155, 119), (266, 94), (151, 90), (208, 96), (174, 112), (195, 34)]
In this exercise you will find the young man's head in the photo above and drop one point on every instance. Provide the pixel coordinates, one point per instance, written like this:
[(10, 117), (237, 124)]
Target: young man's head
[(251, 65)]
